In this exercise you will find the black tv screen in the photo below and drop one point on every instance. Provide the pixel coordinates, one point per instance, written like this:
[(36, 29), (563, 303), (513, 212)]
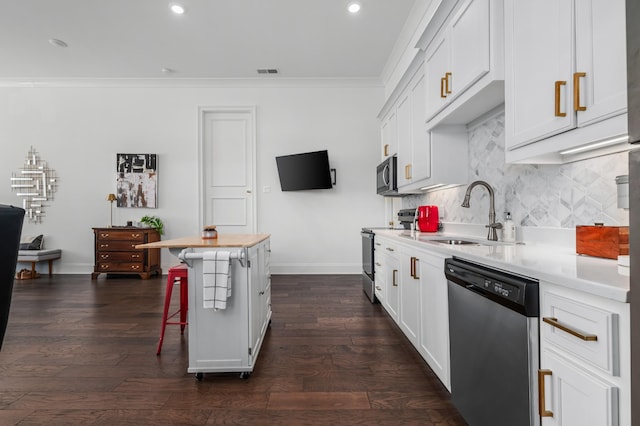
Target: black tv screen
[(309, 170)]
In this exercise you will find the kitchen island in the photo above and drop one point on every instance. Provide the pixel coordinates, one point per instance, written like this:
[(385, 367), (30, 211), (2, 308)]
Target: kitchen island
[(226, 339)]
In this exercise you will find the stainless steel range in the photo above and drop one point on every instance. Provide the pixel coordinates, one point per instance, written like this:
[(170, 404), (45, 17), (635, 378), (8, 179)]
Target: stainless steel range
[(368, 267)]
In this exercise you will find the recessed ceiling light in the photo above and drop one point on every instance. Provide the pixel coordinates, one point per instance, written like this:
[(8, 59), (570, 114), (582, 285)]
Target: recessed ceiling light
[(177, 8), (353, 7), (58, 43)]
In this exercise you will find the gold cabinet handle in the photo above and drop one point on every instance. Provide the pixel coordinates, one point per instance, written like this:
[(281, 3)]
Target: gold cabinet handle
[(542, 409), (576, 91), (554, 323), (559, 84), (395, 278), (407, 171), (414, 269), (447, 90), (442, 94), (386, 150)]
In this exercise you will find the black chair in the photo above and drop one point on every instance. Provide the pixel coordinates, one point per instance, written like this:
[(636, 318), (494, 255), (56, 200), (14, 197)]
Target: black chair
[(11, 219)]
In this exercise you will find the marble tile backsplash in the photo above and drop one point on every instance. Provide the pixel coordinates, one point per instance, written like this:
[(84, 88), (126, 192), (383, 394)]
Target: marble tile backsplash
[(559, 195)]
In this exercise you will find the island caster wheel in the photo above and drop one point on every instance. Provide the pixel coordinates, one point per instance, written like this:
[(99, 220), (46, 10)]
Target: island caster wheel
[(199, 376), (245, 375)]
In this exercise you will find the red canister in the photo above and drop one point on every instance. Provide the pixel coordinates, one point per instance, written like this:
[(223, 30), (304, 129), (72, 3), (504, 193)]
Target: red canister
[(427, 218)]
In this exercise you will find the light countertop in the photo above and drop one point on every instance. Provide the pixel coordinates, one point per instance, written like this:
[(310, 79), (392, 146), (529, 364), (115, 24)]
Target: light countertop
[(223, 240), (555, 264)]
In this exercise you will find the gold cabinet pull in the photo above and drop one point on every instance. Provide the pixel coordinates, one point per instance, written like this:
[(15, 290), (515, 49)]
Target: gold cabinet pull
[(395, 278), (559, 84), (407, 171), (442, 94), (576, 91), (542, 409), (554, 323), (447, 90), (386, 150), (414, 269)]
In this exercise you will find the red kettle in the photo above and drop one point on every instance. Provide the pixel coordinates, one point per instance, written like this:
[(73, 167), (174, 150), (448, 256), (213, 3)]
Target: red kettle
[(427, 217)]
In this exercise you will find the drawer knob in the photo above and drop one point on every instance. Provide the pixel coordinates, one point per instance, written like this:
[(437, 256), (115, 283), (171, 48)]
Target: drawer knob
[(104, 245), (104, 256), (136, 267), (104, 266), (583, 336)]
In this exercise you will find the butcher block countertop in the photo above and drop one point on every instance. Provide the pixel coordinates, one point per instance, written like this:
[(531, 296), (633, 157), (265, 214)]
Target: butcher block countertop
[(224, 240)]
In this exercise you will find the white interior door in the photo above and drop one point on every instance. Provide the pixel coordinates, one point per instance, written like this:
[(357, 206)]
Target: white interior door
[(227, 169)]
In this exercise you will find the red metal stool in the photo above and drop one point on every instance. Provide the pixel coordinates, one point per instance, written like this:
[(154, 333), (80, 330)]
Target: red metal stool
[(176, 273)]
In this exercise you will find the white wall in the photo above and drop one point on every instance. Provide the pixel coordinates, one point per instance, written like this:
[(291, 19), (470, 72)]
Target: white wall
[(79, 130)]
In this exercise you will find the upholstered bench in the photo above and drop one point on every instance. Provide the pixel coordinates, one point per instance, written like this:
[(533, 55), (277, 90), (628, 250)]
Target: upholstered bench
[(35, 256)]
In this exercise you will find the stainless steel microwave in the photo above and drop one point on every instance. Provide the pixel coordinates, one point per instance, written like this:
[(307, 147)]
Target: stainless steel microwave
[(387, 177)]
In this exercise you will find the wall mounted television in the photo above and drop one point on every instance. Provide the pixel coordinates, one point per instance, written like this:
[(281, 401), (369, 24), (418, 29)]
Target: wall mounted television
[(309, 170)]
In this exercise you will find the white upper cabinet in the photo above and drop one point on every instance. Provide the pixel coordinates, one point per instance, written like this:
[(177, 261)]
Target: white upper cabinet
[(464, 63), (414, 152), (565, 77), (426, 157), (389, 135)]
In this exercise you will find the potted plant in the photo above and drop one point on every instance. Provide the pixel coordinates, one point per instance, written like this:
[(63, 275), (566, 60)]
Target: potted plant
[(153, 222)]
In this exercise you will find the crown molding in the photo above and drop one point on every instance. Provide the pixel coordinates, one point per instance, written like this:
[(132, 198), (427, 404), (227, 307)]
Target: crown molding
[(193, 82)]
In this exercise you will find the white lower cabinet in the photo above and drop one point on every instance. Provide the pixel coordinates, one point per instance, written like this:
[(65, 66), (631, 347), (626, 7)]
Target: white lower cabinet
[(409, 313), (391, 270), (380, 275), (416, 299), (434, 316), (576, 397), (584, 376)]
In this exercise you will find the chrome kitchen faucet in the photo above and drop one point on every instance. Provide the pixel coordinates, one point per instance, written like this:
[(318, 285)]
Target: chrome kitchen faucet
[(493, 225)]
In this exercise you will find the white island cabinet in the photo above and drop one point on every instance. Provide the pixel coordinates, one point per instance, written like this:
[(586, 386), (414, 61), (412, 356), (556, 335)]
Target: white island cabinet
[(227, 340)]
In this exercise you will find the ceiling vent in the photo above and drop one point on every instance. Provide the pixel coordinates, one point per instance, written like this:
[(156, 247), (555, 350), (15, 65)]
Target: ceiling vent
[(268, 71)]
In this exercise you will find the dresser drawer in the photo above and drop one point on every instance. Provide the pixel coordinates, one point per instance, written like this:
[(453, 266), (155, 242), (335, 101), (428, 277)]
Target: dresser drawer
[(116, 245), (120, 267), (134, 236), (120, 256), (581, 329)]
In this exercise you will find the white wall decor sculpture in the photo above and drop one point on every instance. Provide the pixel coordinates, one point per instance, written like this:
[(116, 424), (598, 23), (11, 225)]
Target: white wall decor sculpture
[(35, 184)]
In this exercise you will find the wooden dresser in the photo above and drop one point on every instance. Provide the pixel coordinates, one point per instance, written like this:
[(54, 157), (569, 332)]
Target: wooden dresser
[(115, 252)]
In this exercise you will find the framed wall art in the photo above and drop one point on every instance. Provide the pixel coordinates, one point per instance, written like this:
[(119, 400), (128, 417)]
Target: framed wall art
[(137, 180)]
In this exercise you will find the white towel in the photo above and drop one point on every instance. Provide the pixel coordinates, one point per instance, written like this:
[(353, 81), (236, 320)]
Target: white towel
[(216, 279)]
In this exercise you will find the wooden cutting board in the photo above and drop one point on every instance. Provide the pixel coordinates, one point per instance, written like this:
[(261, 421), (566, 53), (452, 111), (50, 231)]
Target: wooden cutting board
[(602, 241)]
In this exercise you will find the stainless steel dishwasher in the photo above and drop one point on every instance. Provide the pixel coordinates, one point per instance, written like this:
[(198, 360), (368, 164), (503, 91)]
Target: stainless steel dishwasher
[(493, 326)]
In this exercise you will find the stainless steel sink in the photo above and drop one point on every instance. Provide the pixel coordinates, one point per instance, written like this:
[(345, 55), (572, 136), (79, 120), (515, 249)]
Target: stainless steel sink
[(457, 242)]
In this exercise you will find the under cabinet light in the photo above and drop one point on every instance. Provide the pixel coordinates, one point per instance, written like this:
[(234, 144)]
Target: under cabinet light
[(426, 188), (595, 145)]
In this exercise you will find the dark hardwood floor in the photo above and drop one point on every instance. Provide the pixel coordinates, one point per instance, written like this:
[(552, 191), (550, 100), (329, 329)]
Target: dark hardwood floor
[(83, 352)]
